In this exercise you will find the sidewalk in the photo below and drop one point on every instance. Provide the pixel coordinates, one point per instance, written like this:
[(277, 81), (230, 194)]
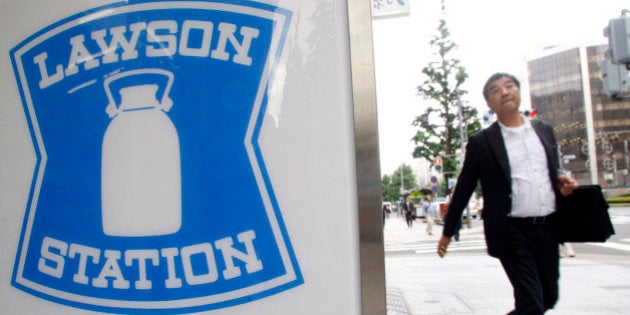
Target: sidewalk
[(474, 283)]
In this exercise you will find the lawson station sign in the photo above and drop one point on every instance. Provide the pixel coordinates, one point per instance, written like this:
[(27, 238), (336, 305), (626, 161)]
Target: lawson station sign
[(150, 192)]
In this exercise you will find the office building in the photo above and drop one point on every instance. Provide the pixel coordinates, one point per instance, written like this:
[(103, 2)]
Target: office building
[(592, 125)]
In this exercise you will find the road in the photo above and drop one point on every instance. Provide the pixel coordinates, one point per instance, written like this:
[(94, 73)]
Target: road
[(468, 281)]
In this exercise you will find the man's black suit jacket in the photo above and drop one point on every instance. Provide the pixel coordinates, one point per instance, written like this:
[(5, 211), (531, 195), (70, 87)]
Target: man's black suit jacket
[(487, 160)]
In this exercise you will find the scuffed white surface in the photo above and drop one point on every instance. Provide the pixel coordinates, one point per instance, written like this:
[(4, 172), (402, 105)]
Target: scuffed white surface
[(307, 140)]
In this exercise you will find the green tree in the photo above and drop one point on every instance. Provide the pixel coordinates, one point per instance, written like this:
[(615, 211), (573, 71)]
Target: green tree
[(390, 193), (439, 132), (390, 184)]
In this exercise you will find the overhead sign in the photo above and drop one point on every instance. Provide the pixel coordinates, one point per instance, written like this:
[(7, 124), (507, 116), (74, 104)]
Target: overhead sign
[(150, 191), (390, 8)]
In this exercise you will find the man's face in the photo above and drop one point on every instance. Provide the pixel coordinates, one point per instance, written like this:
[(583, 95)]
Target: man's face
[(504, 96)]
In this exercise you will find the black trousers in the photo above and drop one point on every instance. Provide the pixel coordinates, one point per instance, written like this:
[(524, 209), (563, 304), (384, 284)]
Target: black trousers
[(533, 266), (409, 218)]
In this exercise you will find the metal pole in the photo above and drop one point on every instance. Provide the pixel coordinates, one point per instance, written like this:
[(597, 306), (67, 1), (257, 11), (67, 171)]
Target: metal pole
[(402, 183), (368, 173), (588, 113), (462, 132), (626, 162), (462, 139)]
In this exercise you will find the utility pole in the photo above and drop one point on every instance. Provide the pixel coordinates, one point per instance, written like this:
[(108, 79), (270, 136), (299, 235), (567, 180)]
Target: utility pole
[(462, 131), (402, 183), (462, 140)]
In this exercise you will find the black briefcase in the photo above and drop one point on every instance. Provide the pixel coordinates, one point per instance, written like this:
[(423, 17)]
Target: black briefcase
[(583, 216)]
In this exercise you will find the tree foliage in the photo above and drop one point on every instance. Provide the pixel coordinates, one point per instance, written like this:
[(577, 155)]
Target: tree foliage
[(390, 184), (438, 131)]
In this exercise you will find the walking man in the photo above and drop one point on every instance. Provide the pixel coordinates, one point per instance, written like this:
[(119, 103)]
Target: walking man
[(516, 161)]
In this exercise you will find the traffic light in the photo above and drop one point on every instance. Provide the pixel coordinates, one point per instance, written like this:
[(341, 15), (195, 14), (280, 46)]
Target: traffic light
[(437, 162), (616, 79), (618, 33)]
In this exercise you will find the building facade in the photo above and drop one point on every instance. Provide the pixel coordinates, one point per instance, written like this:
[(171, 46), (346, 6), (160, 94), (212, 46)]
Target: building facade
[(592, 127)]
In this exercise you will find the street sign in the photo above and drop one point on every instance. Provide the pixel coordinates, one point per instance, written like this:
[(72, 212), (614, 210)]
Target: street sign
[(434, 189), (451, 183), (382, 8), (434, 179)]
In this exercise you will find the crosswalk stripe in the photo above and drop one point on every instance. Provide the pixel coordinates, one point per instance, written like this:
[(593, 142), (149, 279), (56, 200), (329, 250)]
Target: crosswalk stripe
[(423, 247), (453, 249), (612, 245), (476, 244), (620, 219), (407, 240)]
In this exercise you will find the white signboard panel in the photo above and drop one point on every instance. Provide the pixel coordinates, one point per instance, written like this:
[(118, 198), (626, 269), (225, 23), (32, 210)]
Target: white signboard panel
[(183, 157)]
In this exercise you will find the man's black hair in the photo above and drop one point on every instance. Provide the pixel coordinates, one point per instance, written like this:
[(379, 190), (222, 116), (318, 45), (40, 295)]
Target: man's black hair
[(495, 77)]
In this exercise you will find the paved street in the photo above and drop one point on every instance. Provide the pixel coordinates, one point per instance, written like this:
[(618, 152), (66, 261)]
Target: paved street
[(467, 281)]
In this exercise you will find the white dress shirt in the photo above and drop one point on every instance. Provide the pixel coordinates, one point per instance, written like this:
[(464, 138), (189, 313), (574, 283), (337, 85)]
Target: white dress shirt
[(532, 193)]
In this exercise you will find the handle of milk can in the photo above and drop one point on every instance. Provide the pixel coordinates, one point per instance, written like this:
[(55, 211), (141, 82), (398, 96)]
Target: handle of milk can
[(165, 101)]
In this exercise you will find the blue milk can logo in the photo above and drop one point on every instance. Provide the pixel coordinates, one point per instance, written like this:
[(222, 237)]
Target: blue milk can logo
[(150, 192)]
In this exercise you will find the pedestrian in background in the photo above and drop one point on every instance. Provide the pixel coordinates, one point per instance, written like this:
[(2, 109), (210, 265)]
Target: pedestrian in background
[(410, 211), (516, 161), (430, 211), (566, 250), (447, 203)]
